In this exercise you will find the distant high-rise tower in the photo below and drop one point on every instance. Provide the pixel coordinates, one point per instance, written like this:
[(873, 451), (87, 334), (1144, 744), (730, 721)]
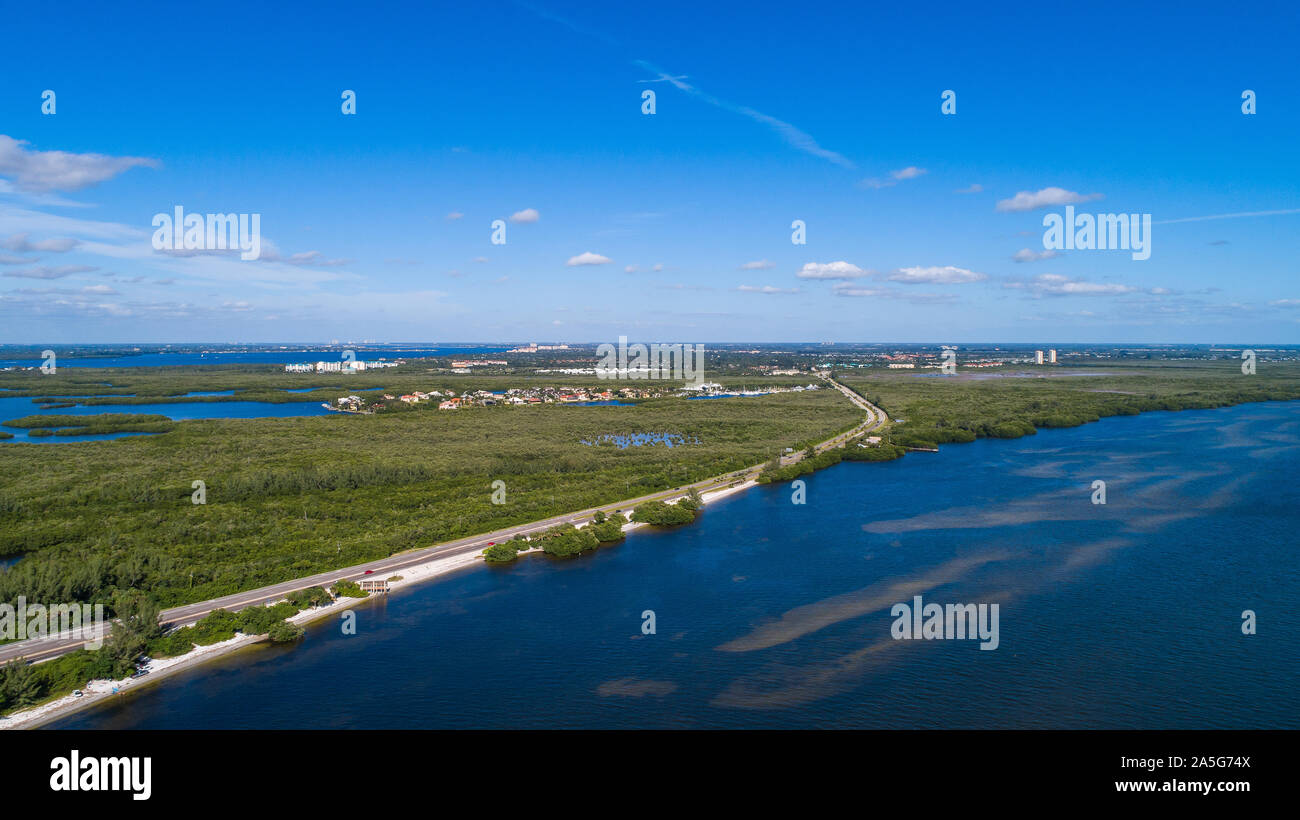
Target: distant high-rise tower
[(1038, 357), (1051, 356)]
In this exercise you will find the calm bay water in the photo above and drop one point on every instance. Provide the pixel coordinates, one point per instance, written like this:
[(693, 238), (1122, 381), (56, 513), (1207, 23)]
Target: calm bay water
[(773, 614), (154, 358), (16, 407)]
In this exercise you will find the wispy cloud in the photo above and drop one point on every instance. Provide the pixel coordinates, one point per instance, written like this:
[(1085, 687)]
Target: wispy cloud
[(1054, 284), (1026, 255), (910, 172), (793, 136), (43, 171), (1240, 215), (19, 243), (569, 24), (1045, 198), (855, 290), (525, 217), (49, 272)]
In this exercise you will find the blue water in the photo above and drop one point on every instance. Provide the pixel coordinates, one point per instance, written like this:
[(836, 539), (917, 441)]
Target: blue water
[(297, 356), (15, 407), (640, 440), (775, 614)]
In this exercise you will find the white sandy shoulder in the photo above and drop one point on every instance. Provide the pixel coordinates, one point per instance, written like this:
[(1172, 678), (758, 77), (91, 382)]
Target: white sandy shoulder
[(98, 690)]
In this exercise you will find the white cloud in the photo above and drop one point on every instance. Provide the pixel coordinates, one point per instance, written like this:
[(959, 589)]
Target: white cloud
[(270, 253), (19, 243), (588, 258), (761, 264), (830, 270), (910, 172), (1054, 284), (1046, 198), (765, 289), (974, 188), (455, 215), (1026, 255), (41, 171), (630, 269), (857, 291), (48, 272), (942, 275), (848, 289), (525, 217)]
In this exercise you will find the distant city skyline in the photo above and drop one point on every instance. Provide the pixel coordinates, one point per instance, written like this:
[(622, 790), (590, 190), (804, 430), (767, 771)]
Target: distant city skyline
[(527, 119)]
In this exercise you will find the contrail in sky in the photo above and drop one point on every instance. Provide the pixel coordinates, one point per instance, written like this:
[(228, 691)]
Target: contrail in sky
[(792, 135), (1228, 216)]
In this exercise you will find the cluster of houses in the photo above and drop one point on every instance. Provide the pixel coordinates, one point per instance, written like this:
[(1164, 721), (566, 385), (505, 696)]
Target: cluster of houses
[(516, 396), (533, 347), (451, 400), (337, 367)]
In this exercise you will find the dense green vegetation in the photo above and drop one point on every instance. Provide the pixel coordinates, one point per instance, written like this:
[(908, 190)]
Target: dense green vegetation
[(773, 471), (347, 589), (23, 685), (289, 497), (137, 635), (561, 541), (98, 424), (502, 553), (949, 409), (663, 514), (269, 383)]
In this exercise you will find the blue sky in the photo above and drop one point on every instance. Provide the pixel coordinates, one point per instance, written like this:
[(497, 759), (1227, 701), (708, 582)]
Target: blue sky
[(828, 114)]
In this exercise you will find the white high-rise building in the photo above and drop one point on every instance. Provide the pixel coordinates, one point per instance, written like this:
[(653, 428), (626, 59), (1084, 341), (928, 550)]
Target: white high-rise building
[(1038, 357), (1051, 356)]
